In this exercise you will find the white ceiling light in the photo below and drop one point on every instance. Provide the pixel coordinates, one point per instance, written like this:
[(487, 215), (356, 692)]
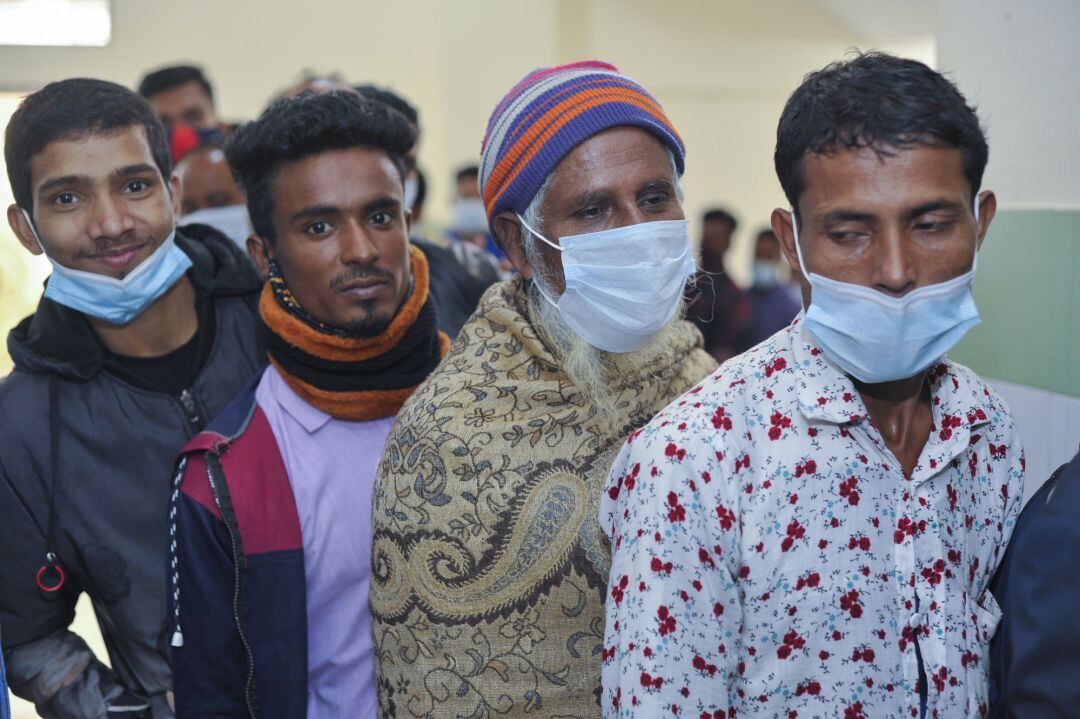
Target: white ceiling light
[(55, 22)]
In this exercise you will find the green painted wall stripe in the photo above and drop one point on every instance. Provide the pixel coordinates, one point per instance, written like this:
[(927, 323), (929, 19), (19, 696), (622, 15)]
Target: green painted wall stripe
[(1028, 294)]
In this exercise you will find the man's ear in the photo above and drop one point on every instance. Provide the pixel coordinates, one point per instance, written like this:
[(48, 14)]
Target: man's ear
[(176, 194), (987, 210), (781, 226), (258, 250), (17, 220), (510, 233)]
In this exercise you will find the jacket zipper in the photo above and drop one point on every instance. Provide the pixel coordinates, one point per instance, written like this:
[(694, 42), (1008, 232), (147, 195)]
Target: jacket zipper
[(187, 399), (237, 559)]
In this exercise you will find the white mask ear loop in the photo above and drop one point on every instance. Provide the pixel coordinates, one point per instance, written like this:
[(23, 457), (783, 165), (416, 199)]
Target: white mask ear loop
[(34, 231), (798, 246), (975, 260), (543, 239)]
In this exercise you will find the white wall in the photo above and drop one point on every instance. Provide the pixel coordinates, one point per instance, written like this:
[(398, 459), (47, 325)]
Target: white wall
[(1020, 62)]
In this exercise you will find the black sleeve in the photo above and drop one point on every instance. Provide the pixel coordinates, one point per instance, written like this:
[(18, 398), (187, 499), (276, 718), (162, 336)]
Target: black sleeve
[(37, 646)]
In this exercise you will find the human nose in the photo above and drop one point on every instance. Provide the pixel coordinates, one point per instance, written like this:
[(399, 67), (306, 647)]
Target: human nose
[(355, 245), (896, 266), (108, 218)]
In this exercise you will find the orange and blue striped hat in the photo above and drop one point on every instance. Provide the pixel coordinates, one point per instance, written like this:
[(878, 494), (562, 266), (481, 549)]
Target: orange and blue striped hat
[(549, 113)]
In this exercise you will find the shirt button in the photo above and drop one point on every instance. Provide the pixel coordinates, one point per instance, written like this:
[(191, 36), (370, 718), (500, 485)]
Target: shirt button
[(916, 620)]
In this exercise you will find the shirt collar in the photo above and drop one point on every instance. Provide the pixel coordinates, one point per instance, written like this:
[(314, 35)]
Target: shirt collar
[(308, 417), (825, 393)]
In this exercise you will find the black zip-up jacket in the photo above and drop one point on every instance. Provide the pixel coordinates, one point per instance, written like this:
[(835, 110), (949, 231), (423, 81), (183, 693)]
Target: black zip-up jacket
[(110, 492)]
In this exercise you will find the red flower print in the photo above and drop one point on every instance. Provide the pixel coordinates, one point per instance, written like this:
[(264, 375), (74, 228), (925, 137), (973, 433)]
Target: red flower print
[(720, 420), (850, 604), (666, 620), (677, 512), (674, 451), (617, 590), (859, 541), (726, 516), (847, 489), (794, 531)]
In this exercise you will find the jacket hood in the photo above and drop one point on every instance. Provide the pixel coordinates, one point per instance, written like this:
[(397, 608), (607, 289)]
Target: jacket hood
[(59, 340)]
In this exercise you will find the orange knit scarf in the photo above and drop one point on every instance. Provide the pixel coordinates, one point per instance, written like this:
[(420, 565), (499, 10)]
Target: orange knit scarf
[(357, 379)]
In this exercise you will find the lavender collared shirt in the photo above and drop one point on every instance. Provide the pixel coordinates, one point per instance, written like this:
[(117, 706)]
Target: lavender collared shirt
[(331, 465)]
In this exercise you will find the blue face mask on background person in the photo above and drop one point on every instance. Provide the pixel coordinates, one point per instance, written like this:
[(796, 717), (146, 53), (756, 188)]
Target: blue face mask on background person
[(622, 285), (110, 299), (878, 338), (765, 275)]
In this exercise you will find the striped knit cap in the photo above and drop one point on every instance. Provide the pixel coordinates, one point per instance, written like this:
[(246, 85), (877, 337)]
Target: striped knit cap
[(549, 113)]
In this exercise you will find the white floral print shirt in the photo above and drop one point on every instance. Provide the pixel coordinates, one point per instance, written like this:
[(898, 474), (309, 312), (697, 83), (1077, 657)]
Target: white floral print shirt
[(768, 550)]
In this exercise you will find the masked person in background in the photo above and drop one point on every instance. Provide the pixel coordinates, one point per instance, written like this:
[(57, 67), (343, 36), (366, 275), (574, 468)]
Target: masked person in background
[(772, 305), (719, 307), (469, 236), (489, 566), (286, 470), (141, 336), (812, 531), (210, 195)]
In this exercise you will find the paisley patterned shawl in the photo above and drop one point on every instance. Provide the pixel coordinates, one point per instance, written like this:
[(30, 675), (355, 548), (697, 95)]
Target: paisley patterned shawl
[(489, 565)]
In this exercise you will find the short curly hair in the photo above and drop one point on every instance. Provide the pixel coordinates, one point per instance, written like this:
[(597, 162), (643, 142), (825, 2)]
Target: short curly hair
[(875, 100), (292, 129)]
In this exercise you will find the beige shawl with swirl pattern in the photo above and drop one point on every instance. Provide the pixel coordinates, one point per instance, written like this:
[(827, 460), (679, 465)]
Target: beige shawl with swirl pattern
[(489, 566)]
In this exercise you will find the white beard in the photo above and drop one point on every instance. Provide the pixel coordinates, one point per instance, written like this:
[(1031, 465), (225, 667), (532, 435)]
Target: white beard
[(595, 371)]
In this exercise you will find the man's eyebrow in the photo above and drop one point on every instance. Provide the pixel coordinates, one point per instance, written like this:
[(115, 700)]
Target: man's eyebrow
[(848, 216), (136, 169), (934, 206), (382, 203), (591, 197), (63, 181), (315, 211), (658, 184)]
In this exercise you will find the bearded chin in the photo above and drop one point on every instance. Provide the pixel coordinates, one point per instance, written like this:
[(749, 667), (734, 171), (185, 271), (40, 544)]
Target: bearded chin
[(597, 373)]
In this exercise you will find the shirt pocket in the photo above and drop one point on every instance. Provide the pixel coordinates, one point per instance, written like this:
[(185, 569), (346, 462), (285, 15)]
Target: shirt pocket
[(983, 617)]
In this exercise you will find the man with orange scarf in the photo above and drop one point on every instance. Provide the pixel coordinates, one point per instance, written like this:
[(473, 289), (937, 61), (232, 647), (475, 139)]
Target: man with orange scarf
[(271, 513)]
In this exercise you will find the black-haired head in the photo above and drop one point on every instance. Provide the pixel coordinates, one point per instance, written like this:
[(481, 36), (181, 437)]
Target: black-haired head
[(719, 214), (879, 101), (391, 98), (469, 173), (167, 78), (73, 109), (295, 128)]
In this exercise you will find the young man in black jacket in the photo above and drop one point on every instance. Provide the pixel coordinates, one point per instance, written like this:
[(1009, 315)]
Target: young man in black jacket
[(141, 336)]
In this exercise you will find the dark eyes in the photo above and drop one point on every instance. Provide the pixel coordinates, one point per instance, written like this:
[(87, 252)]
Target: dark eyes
[(65, 198), (382, 218), (318, 228), (136, 186)]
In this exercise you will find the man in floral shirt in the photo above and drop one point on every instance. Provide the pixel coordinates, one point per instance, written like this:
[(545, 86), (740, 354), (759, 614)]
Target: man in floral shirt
[(811, 531)]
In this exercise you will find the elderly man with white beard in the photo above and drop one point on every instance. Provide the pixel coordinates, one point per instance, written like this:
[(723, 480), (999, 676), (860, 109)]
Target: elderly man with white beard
[(489, 567)]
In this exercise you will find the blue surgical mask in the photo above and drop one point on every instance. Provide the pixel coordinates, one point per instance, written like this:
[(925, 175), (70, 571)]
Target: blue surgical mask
[(875, 337), (110, 299)]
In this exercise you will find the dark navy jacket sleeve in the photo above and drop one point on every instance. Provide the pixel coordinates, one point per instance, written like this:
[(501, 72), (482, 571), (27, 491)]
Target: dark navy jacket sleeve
[(1034, 661), (210, 667), (5, 706)]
